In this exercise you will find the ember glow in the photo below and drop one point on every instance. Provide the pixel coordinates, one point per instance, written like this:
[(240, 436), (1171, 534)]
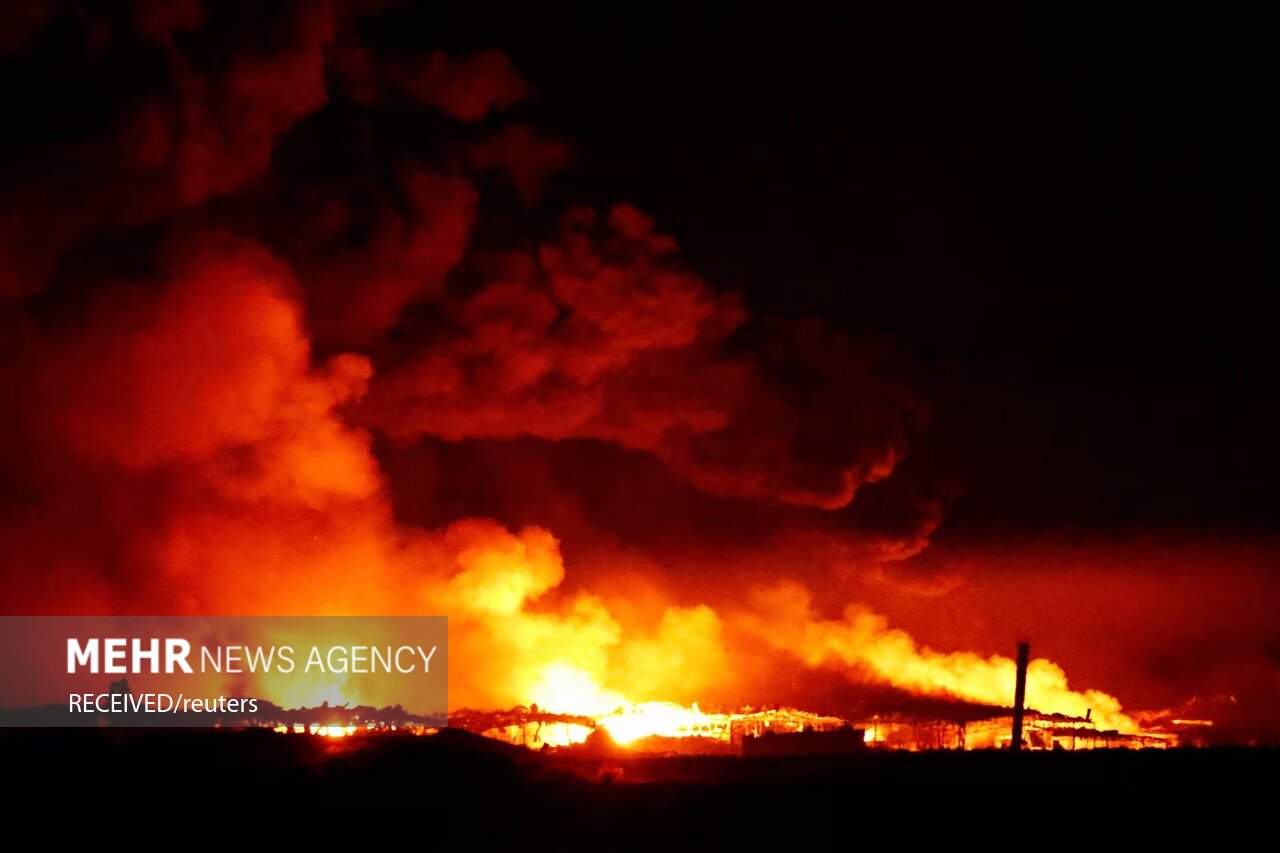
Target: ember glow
[(321, 328)]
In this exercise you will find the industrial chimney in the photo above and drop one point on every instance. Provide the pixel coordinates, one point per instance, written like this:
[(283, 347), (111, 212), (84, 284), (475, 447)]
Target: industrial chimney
[(1020, 695)]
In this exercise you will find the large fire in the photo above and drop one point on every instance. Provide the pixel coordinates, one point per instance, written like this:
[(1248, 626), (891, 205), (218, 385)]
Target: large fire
[(213, 397), (565, 689), (572, 692), (576, 660)]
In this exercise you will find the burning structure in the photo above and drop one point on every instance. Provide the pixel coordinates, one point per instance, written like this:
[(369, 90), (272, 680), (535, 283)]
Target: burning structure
[(647, 727), (670, 728), (726, 733), (666, 727), (676, 730), (1039, 732)]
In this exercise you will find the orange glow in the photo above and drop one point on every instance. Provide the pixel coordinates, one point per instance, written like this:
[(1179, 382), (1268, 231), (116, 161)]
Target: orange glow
[(220, 378), (864, 644), (537, 735), (577, 659), (660, 719), (568, 689), (564, 688)]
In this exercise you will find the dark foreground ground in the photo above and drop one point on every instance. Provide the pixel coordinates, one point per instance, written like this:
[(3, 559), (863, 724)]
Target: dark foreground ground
[(463, 792)]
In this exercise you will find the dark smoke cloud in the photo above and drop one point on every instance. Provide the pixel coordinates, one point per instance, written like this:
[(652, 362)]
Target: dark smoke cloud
[(600, 332), (364, 250), (529, 159), (603, 333), (143, 110), (246, 245), (465, 88)]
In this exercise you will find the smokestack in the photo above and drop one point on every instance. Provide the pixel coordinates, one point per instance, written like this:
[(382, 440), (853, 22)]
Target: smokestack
[(1019, 695)]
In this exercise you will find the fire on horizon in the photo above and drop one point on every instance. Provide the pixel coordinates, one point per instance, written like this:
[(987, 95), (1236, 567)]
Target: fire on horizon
[(669, 728), (804, 403)]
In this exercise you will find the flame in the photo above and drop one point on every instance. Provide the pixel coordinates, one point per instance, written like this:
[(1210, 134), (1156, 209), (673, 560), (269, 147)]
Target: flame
[(280, 529), (864, 644), (520, 642), (568, 689), (660, 719)]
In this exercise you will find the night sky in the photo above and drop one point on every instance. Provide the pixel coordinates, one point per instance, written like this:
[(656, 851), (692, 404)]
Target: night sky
[(1056, 221)]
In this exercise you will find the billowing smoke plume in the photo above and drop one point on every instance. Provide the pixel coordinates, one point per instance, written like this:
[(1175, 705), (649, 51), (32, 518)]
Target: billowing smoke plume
[(231, 268), (603, 334)]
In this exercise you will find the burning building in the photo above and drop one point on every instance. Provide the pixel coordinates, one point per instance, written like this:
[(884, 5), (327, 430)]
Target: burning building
[(1040, 732), (665, 727)]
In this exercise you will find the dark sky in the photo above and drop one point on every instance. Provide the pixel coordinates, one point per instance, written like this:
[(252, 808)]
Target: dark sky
[(1056, 220)]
